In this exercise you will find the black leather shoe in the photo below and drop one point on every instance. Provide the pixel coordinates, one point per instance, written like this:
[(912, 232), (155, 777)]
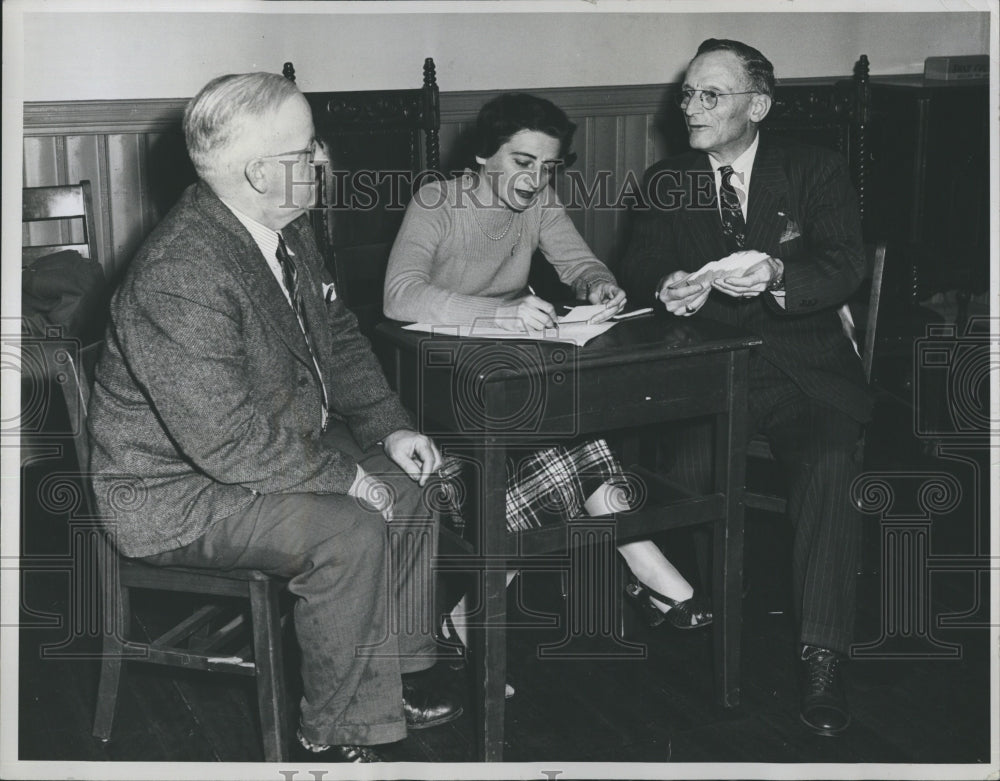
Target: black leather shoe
[(692, 613), (424, 707), (312, 752), (824, 701)]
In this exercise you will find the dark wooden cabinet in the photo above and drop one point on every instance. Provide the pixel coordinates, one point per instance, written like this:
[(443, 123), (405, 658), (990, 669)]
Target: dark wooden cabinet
[(930, 181)]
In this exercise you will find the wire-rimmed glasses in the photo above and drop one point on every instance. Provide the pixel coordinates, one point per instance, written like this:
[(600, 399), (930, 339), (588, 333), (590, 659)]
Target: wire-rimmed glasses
[(709, 97), (308, 154)]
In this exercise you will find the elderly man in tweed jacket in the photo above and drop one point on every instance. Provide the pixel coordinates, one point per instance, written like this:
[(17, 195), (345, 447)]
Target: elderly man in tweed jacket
[(237, 396)]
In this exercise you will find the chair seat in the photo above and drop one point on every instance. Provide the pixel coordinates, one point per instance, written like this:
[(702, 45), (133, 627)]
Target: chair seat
[(231, 574), (759, 447)]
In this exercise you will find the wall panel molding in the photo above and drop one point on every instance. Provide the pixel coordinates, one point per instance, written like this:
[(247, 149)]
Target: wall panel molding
[(100, 117), (132, 151), (131, 138), (575, 101), (78, 117)]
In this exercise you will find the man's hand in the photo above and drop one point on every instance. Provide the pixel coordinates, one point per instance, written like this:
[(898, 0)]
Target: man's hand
[(609, 294), (753, 282), (680, 298), (529, 312), (414, 453)]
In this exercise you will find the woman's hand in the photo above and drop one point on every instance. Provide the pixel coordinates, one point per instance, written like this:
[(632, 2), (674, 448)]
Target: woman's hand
[(529, 312)]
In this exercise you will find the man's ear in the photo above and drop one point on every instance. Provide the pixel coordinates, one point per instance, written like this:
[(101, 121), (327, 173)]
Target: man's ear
[(760, 105), (254, 172)]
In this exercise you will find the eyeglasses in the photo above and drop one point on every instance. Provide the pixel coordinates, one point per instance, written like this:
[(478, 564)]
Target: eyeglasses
[(709, 97), (308, 155)]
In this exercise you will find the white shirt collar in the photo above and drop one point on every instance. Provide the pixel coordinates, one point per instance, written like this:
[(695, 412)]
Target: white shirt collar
[(266, 240), (742, 168)]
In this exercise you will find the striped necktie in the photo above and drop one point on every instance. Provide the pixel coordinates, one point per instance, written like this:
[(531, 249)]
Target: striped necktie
[(290, 277), (734, 227)]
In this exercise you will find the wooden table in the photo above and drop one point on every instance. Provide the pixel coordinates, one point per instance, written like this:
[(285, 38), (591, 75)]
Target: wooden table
[(493, 395)]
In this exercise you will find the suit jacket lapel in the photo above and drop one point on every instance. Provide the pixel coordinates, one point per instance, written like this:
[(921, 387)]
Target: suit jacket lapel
[(767, 214), (256, 277), (703, 218), (311, 289)]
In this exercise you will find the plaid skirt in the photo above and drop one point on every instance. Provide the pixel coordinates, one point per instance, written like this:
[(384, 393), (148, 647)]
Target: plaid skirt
[(546, 487)]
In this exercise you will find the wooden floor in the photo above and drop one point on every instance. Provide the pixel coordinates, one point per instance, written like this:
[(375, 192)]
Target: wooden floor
[(922, 709)]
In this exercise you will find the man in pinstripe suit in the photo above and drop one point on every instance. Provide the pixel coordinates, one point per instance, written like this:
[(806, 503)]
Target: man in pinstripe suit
[(785, 218)]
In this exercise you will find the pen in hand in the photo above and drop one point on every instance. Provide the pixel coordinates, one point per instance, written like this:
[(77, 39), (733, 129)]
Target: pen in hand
[(647, 311), (550, 318)]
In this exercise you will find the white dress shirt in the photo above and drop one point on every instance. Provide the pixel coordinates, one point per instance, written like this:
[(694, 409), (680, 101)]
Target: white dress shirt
[(742, 169)]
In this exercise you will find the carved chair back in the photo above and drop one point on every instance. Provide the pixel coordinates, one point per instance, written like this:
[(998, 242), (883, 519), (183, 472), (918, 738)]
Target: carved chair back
[(835, 116), (379, 143)]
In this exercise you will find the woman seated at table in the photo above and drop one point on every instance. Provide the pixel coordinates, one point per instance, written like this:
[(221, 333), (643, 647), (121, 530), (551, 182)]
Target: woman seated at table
[(462, 256)]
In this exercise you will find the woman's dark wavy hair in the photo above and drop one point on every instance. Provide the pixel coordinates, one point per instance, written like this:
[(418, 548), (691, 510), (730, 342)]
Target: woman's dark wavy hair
[(512, 112), (759, 70)]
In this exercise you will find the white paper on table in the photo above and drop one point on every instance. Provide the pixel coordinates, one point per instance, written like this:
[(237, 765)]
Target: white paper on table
[(585, 313), (735, 265), (575, 333)]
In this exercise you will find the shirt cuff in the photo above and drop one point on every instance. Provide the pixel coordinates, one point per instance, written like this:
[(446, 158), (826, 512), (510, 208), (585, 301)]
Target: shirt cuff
[(353, 490)]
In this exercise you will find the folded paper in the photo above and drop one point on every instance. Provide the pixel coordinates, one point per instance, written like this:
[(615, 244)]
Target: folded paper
[(575, 333), (735, 265)]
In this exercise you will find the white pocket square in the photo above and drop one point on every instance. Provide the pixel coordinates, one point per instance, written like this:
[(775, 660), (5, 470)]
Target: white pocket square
[(791, 229), (329, 292)]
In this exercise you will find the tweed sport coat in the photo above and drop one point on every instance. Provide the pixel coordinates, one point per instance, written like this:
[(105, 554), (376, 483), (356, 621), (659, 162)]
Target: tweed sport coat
[(206, 395), (803, 210)]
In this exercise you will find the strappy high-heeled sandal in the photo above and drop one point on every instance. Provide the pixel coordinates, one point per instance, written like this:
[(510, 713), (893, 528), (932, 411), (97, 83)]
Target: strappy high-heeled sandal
[(692, 613)]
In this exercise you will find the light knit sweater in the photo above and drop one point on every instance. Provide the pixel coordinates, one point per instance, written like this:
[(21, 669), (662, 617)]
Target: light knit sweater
[(444, 268)]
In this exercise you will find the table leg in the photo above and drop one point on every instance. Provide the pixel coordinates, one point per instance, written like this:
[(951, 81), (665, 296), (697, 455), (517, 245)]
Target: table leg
[(730, 450), (491, 651)]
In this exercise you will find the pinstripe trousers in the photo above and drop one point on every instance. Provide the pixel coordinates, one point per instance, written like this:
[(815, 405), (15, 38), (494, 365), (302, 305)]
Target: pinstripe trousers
[(819, 452)]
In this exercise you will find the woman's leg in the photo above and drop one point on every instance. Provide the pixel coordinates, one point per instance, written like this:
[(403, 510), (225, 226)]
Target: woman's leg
[(643, 557), (652, 568), (460, 613), (459, 621)]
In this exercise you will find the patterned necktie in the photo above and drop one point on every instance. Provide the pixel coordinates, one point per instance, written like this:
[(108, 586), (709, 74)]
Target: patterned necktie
[(734, 227), (290, 276)]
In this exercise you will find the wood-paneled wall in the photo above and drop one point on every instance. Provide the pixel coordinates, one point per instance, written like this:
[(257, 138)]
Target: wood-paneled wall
[(128, 150), (132, 151)]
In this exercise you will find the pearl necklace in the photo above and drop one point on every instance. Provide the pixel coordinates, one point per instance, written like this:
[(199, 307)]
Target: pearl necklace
[(510, 221), (504, 232)]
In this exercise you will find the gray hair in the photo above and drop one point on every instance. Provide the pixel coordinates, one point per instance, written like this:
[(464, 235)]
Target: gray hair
[(224, 107)]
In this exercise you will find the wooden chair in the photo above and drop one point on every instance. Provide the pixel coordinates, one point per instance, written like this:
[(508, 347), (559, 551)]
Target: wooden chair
[(866, 320), (836, 117), (64, 202), (66, 292), (378, 143), (198, 642)]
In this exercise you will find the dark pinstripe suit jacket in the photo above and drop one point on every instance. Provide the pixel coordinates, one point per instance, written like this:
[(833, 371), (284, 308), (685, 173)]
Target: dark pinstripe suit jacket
[(206, 394), (803, 210)]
